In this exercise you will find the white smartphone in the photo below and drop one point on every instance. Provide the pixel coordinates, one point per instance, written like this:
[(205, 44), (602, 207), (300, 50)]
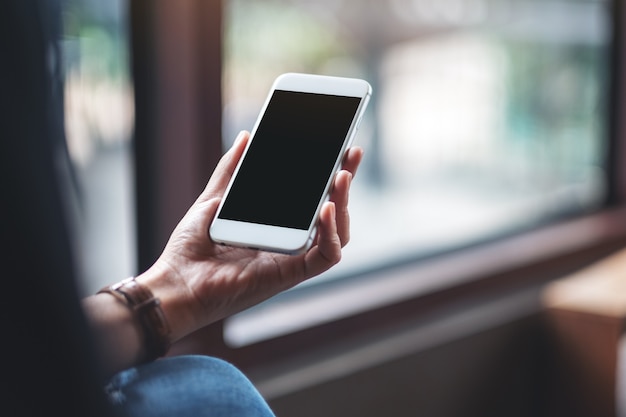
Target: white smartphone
[(297, 145)]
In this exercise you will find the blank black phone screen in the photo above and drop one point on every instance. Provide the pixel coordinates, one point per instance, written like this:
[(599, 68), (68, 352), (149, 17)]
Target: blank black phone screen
[(290, 159)]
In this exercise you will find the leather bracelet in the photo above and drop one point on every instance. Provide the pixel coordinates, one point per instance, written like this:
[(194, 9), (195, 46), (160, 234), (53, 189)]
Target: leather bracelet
[(147, 310)]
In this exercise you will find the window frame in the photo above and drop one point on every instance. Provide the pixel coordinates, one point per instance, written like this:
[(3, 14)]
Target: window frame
[(164, 73)]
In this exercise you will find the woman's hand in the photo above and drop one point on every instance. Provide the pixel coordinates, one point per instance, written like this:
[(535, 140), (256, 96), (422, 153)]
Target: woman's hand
[(200, 282)]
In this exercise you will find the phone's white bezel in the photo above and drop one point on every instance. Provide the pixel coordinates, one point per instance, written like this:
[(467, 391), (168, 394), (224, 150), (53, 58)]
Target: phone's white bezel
[(282, 239)]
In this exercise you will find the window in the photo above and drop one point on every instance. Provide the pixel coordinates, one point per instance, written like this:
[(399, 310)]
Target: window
[(491, 156), (488, 118)]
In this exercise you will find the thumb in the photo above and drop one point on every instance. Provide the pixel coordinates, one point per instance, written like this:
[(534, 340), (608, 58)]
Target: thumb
[(210, 211), (225, 168)]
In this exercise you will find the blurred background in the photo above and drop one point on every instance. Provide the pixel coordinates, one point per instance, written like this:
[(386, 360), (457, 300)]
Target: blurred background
[(491, 145), (99, 120), (487, 116)]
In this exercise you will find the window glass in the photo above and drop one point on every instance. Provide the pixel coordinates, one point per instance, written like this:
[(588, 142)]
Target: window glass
[(488, 116), (98, 124)]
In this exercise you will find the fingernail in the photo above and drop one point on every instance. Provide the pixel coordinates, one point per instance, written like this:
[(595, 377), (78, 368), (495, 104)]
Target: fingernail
[(239, 137)]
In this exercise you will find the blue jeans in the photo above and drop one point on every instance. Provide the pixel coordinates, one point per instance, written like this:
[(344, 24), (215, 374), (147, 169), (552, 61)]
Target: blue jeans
[(185, 386)]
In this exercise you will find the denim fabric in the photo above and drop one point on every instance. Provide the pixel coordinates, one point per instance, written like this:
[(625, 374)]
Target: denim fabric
[(185, 386)]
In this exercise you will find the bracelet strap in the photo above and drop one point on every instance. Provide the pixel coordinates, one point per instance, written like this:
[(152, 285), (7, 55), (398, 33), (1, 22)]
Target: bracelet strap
[(147, 310)]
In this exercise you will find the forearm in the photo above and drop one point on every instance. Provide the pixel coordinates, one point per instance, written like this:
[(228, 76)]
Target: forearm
[(123, 337), (116, 330)]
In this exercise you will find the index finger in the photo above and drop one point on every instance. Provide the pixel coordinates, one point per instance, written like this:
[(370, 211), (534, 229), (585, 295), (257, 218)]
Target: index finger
[(353, 158)]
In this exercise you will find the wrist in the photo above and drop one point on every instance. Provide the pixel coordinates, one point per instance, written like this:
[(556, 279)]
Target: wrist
[(147, 314), (174, 300)]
